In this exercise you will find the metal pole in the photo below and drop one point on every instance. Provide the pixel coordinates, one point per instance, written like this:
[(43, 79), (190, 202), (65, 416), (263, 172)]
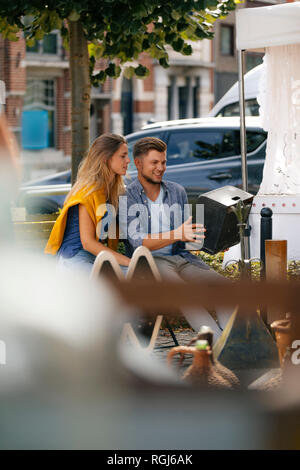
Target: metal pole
[(241, 65), (265, 234)]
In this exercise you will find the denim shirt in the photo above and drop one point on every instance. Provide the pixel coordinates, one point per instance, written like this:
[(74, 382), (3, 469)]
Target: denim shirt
[(135, 217)]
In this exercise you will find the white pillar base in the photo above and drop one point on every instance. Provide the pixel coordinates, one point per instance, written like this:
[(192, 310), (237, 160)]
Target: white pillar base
[(140, 120), (117, 123), (286, 225)]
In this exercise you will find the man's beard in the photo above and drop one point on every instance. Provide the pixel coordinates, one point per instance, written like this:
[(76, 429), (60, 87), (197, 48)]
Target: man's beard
[(149, 180)]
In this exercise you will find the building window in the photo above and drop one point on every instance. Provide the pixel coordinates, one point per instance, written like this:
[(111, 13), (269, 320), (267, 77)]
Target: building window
[(227, 40), (183, 97), (183, 101), (48, 45), (127, 105), (39, 113), (40, 93)]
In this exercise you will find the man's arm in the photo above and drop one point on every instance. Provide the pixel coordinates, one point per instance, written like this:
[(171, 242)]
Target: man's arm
[(185, 233), (133, 221)]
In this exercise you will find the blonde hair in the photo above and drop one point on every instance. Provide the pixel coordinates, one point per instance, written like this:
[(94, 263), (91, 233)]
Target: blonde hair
[(94, 172)]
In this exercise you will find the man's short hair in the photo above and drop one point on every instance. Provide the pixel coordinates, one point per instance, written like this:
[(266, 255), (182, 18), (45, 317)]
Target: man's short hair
[(144, 145)]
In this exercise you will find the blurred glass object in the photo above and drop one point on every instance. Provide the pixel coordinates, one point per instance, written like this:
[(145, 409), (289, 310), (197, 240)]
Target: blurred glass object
[(9, 178)]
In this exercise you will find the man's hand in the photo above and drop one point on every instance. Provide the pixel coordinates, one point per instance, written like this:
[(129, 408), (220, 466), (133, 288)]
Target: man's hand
[(189, 232)]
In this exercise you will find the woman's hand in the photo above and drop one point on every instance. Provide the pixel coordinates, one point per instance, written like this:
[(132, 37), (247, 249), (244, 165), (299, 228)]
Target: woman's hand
[(189, 232)]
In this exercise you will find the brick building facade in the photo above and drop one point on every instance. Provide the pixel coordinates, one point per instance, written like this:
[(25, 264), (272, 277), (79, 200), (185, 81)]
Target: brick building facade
[(38, 87), (183, 90)]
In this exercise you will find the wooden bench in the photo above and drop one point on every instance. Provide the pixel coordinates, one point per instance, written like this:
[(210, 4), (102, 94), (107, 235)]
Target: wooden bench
[(33, 231)]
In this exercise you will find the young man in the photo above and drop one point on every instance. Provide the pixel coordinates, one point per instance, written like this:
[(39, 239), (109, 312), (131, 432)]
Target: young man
[(157, 217)]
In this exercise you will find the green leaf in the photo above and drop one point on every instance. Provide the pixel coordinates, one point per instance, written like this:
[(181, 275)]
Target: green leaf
[(140, 10), (30, 42), (187, 50), (74, 16), (164, 63), (99, 77), (157, 52), (118, 71), (182, 25), (141, 71), (145, 44), (39, 35), (111, 70), (55, 20), (129, 72), (170, 37), (96, 50), (178, 44), (12, 37), (175, 15)]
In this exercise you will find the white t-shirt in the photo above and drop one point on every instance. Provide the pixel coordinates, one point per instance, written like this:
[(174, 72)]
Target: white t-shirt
[(160, 221)]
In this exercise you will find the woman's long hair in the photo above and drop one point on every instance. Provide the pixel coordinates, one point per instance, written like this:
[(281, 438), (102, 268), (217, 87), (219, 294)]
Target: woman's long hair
[(94, 172)]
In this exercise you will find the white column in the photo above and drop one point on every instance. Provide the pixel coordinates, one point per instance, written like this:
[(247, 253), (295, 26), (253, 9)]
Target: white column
[(116, 123), (161, 83), (189, 102), (174, 114)]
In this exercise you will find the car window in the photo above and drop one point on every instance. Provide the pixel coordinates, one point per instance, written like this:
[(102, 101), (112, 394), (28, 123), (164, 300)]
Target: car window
[(233, 109), (62, 179), (133, 140), (253, 139), (55, 179), (195, 145)]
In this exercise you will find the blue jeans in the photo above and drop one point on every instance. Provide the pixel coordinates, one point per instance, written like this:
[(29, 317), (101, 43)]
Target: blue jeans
[(83, 261), (177, 268)]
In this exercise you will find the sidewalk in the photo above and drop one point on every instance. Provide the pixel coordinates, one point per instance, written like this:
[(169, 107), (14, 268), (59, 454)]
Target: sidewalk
[(184, 336), (164, 338)]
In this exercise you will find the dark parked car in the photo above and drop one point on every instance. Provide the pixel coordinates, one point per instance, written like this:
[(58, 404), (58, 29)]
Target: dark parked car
[(48, 203), (203, 154)]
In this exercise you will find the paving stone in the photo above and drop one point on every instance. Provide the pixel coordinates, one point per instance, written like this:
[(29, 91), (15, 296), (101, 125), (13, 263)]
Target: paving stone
[(165, 339)]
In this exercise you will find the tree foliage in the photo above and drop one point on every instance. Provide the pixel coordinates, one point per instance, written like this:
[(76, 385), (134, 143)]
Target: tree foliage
[(118, 30)]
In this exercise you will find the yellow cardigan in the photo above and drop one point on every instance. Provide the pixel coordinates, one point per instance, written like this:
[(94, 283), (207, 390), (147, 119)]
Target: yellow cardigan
[(95, 204)]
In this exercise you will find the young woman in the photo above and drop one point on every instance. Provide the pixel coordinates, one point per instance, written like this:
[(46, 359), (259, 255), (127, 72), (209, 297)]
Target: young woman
[(88, 213)]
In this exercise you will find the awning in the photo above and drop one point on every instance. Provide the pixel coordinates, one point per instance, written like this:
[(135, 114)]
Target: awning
[(268, 26)]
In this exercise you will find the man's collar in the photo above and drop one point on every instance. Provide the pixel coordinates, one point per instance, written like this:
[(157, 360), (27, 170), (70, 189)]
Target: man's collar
[(141, 190)]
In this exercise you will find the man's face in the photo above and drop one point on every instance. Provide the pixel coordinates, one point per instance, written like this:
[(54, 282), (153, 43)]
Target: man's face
[(152, 166)]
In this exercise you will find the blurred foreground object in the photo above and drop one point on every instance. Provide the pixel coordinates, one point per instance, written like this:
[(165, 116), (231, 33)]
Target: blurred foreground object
[(206, 333), (67, 383), (9, 150), (284, 339), (283, 336), (202, 372), (2, 93), (9, 178)]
